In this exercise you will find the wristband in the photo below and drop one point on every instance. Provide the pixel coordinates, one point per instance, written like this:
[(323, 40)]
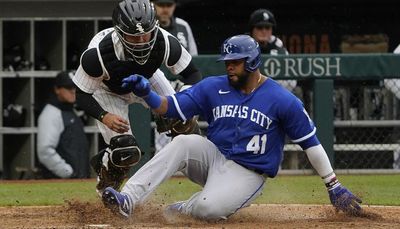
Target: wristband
[(153, 100), (329, 177), (101, 116), (332, 184)]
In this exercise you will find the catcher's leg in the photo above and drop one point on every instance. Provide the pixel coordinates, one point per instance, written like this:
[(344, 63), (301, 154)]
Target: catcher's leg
[(113, 163)]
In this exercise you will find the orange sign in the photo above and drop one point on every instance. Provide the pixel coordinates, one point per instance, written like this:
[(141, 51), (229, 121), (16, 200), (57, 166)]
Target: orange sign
[(307, 43)]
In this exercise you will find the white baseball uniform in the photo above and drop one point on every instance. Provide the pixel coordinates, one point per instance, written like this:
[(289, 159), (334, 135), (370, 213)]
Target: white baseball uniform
[(115, 101)]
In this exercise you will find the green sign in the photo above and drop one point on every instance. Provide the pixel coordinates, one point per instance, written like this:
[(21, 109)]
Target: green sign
[(373, 66)]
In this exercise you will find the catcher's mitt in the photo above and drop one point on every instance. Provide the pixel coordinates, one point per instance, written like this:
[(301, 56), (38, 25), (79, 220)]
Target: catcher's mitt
[(175, 127)]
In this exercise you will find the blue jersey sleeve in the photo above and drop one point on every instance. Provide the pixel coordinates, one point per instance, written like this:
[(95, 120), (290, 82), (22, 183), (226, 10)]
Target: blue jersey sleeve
[(298, 125), (188, 103)]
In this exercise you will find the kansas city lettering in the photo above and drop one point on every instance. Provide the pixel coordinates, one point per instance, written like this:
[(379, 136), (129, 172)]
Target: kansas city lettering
[(236, 111)]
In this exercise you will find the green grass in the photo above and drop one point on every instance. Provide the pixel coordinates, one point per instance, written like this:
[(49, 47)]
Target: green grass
[(45, 193), (373, 189)]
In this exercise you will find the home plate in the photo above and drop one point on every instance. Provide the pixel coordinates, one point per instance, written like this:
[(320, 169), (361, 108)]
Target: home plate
[(98, 225)]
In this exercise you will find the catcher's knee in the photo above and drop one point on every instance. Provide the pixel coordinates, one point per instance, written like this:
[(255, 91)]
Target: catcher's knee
[(113, 163), (124, 151)]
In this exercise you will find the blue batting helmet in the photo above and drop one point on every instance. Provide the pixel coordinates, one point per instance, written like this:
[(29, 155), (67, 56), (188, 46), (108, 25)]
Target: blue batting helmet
[(242, 47)]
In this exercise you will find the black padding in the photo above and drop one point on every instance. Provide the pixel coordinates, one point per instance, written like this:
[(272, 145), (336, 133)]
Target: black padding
[(175, 51), (91, 64), (88, 103), (122, 141), (97, 161), (124, 151), (191, 74)]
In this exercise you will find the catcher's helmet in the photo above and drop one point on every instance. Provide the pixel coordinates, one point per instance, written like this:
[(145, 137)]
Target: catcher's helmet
[(262, 17), (136, 18), (242, 47)]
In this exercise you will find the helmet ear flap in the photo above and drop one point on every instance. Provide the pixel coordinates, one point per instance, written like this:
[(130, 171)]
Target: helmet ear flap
[(254, 61), (252, 65)]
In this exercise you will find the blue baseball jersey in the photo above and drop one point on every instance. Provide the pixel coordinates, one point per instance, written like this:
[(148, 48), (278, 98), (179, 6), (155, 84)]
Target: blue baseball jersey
[(247, 128)]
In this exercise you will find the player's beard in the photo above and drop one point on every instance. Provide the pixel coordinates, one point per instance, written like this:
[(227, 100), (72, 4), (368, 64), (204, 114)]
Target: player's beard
[(241, 81)]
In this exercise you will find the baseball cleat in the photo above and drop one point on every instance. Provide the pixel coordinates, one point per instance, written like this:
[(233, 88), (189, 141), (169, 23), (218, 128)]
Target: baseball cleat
[(117, 202), (175, 207)]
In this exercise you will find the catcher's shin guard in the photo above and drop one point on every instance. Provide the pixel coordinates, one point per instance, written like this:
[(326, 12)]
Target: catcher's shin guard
[(113, 163)]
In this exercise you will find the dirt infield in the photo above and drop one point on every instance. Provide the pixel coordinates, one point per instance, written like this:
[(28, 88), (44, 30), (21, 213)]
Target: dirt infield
[(88, 215)]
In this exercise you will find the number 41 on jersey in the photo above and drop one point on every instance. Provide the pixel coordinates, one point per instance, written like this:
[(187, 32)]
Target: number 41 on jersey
[(254, 144)]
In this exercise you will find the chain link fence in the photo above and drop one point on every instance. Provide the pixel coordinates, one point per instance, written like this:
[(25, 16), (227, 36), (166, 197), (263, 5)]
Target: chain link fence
[(366, 109), (366, 125)]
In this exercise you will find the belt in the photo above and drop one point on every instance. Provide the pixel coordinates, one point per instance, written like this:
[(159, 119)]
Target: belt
[(258, 171)]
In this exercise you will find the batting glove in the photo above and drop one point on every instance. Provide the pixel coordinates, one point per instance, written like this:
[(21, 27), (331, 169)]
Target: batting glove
[(342, 199), (138, 84)]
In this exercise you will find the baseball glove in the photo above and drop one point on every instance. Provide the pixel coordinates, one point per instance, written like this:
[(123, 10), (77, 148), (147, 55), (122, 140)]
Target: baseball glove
[(175, 127)]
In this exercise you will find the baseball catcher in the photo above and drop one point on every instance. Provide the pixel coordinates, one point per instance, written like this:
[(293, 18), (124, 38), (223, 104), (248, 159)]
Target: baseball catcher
[(134, 45)]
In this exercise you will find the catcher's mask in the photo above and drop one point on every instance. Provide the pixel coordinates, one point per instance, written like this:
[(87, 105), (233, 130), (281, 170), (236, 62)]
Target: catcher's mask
[(137, 27)]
